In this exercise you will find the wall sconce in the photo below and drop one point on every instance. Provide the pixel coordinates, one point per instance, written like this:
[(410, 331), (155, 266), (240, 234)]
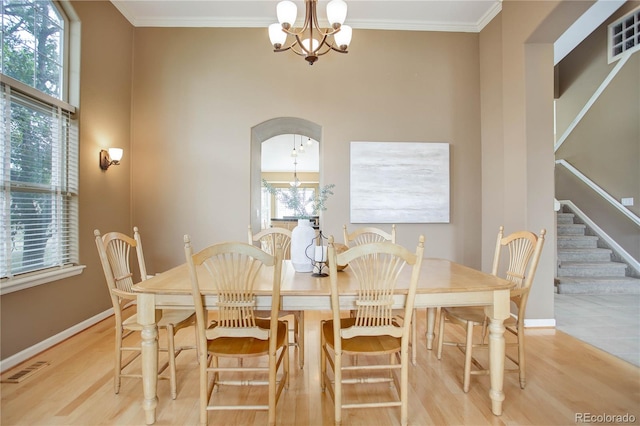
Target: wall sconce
[(111, 157)]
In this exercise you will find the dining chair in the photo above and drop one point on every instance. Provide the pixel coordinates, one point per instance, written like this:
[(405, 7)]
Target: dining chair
[(269, 239), (368, 234), (373, 330), (114, 249), (371, 234), (524, 249), (234, 268)]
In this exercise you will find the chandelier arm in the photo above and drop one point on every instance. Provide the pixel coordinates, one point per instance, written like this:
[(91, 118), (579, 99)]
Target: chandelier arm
[(336, 49)]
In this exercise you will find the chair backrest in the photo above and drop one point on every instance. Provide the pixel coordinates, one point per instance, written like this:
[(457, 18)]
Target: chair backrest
[(368, 234), (375, 267), (270, 238), (234, 268), (114, 249), (524, 248)]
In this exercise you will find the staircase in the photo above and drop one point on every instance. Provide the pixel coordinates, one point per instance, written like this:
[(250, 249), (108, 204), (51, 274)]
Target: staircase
[(584, 266)]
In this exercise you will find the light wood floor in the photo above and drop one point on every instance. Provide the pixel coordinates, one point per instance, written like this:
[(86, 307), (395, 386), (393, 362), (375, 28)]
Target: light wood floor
[(565, 377)]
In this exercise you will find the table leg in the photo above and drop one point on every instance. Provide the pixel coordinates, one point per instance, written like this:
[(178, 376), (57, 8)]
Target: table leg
[(148, 317), (431, 325), (497, 314)]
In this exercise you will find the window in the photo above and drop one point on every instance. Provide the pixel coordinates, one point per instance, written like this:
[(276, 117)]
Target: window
[(624, 35), (38, 148)]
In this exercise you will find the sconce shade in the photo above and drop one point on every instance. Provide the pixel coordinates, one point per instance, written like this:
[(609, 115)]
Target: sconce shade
[(111, 157), (116, 155)]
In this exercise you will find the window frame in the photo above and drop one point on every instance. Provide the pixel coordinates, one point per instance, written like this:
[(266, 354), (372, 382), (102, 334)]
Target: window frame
[(69, 92)]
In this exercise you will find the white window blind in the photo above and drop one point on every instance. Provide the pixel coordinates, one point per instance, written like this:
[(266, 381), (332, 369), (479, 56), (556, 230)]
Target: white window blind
[(39, 179)]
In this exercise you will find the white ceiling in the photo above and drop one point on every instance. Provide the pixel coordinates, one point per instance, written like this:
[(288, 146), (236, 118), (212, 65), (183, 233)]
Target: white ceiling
[(418, 15), (276, 154)]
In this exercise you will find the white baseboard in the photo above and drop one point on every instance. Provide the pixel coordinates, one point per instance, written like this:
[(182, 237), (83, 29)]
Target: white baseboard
[(24, 355), (544, 322)]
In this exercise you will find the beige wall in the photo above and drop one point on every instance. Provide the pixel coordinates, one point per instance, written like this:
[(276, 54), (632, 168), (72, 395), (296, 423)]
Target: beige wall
[(33, 315), (185, 123), (605, 145), (219, 83)]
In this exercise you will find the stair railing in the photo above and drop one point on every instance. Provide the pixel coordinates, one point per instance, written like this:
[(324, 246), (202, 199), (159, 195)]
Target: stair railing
[(604, 194)]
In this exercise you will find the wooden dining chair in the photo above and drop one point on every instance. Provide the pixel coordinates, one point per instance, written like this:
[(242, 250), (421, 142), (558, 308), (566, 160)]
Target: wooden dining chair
[(524, 249), (368, 234), (269, 239), (371, 234), (234, 269), (374, 330), (114, 249)]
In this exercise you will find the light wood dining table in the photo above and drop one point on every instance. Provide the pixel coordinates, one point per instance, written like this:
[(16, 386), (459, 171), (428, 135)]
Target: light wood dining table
[(442, 283)]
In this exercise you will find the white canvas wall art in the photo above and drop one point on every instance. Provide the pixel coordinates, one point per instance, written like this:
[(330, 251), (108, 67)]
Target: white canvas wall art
[(399, 182)]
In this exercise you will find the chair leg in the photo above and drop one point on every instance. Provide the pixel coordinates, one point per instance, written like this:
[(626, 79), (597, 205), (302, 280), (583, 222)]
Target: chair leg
[(195, 328), (118, 361), (300, 337), (440, 333), (467, 357), (413, 339), (323, 358), (404, 390), (521, 362), (204, 394), (171, 352), (337, 387)]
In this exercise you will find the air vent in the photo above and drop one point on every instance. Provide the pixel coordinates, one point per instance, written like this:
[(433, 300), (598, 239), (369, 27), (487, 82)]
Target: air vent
[(624, 35), (26, 372)]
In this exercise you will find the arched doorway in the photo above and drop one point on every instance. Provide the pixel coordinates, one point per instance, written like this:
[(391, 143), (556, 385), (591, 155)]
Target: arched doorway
[(262, 132)]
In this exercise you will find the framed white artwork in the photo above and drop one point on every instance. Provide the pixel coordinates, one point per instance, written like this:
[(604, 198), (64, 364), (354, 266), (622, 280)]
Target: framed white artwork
[(399, 182)]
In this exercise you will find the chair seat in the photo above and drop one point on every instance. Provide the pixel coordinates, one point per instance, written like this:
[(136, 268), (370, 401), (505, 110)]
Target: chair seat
[(246, 346), (361, 344), (466, 313), (474, 314), (169, 316)]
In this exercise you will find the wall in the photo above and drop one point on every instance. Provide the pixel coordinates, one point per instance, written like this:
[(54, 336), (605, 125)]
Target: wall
[(197, 93), (605, 145), (516, 54), (33, 315)]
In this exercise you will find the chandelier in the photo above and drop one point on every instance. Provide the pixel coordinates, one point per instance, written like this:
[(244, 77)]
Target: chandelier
[(311, 41)]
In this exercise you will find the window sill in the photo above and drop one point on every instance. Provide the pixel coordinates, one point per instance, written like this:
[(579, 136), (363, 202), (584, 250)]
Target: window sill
[(36, 279)]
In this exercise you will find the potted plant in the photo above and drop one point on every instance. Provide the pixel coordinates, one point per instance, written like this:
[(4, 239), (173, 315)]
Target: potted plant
[(303, 234)]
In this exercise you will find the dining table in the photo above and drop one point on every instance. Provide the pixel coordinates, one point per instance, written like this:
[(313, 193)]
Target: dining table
[(442, 283)]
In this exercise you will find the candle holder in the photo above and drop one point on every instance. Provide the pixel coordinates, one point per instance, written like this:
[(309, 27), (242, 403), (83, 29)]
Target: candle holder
[(319, 253)]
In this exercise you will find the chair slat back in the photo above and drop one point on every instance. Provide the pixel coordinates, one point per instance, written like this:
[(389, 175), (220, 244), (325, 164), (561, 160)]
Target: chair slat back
[(271, 238), (234, 269), (376, 267), (367, 235), (114, 249), (524, 250)]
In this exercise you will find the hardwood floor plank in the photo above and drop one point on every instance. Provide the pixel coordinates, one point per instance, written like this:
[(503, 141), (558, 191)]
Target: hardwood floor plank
[(564, 377)]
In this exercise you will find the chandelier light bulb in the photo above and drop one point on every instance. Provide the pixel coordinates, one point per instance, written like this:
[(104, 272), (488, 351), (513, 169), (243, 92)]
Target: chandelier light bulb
[(310, 45), (343, 37), (336, 12), (286, 11), (277, 35)]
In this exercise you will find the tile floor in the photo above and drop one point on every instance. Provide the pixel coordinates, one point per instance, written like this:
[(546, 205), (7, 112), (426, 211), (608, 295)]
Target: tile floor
[(609, 322)]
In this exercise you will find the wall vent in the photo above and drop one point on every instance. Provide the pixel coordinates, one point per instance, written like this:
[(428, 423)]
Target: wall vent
[(624, 35)]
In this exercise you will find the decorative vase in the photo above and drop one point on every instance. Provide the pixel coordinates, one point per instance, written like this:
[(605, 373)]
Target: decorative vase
[(301, 237)]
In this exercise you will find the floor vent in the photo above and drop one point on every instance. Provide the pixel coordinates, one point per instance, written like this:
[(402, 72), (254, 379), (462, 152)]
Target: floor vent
[(26, 372)]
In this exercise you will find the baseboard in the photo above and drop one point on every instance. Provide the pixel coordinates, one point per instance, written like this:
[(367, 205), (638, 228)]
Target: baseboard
[(34, 350), (539, 323)]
